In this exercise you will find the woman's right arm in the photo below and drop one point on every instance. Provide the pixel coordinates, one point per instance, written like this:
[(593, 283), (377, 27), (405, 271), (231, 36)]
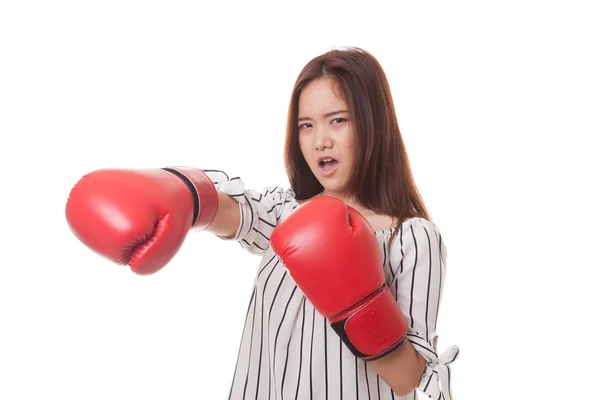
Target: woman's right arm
[(227, 219), (245, 215)]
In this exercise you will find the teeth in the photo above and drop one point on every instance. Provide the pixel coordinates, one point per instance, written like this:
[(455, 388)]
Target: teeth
[(326, 160)]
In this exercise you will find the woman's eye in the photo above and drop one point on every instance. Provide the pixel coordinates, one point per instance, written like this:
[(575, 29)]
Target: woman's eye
[(338, 120), (304, 126)]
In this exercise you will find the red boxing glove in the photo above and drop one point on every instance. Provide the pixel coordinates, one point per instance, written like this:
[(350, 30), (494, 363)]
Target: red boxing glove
[(333, 256), (140, 217)]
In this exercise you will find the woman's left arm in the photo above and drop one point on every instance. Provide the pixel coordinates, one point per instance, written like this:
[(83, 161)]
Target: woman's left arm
[(402, 369), (415, 270)]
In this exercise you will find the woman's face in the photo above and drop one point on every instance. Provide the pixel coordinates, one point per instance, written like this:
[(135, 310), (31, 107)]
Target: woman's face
[(325, 134)]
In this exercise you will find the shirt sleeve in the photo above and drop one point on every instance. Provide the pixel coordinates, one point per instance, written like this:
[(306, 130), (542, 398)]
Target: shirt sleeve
[(260, 211), (417, 284)]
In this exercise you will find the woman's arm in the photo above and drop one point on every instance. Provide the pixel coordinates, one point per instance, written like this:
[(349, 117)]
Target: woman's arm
[(416, 278), (227, 219), (402, 369)]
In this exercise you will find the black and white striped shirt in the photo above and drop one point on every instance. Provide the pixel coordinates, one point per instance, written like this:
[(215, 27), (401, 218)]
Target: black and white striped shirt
[(289, 351)]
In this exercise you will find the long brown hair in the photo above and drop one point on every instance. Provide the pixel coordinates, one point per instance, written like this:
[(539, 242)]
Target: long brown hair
[(381, 178)]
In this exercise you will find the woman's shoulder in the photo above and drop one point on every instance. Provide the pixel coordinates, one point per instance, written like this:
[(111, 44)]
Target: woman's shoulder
[(419, 223), (409, 226), (412, 231)]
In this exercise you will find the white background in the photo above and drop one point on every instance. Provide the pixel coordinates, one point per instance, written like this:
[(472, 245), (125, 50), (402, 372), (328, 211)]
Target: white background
[(498, 105)]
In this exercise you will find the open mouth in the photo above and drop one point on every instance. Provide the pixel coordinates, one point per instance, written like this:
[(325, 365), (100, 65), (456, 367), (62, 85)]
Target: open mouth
[(328, 164)]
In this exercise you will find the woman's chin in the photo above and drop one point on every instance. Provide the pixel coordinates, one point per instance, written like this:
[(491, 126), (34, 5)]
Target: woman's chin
[(332, 184)]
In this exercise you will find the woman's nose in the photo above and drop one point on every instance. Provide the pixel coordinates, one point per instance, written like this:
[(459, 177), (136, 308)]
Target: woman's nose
[(322, 139)]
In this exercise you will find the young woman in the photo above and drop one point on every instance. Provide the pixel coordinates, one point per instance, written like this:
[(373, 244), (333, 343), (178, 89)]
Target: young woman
[(343, 142)]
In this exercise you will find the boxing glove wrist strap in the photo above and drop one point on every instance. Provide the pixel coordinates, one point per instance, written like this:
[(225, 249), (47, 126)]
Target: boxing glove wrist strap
[(204, 194), (373, 328)]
